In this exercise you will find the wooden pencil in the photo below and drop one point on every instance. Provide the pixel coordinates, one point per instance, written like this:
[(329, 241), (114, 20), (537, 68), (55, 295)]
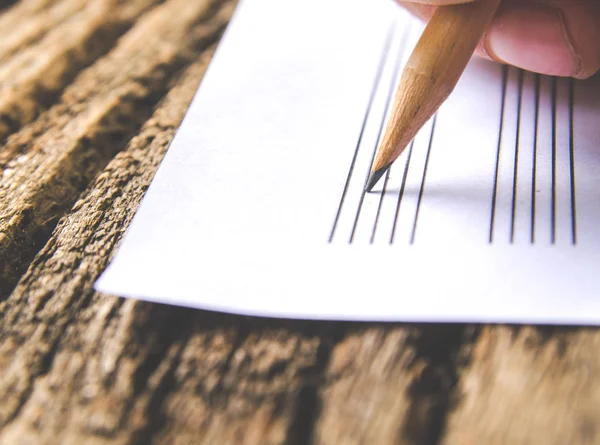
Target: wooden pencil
[(431, 74)]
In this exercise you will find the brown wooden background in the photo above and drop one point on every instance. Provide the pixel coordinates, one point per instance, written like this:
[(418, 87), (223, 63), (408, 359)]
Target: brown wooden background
[(91, 94)]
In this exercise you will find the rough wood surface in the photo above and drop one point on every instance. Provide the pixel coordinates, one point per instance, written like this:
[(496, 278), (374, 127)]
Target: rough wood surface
[(528, 386), (389, 385), (73, 34), (49, 162), (82, 144)]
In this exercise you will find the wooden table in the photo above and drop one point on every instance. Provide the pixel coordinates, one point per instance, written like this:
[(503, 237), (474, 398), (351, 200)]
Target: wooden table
[(92, 93)]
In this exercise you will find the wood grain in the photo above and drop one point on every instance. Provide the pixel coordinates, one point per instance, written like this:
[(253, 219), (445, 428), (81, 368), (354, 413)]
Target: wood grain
[(74, 34), (354, 392), (390, 384), (49, 162), (29, 20), (529, 385), (262, 392), (53, 323)]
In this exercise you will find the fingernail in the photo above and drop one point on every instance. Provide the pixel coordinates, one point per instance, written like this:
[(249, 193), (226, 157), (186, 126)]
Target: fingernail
[(533, 37)]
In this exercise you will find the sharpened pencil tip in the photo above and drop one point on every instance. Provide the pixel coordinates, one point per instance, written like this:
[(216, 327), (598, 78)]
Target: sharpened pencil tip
[(375, 177)]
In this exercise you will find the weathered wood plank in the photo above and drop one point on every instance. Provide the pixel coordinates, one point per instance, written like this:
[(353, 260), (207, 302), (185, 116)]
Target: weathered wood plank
[(355, 392), (529, 386), (31, 79), (264, 392), (29, 20), (86, 355), (49, 162), (390, 384)]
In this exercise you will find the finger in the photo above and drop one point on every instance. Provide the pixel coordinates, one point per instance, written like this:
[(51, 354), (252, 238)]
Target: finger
[(556, 37), (422, 11), (438, 2), (582, 25)]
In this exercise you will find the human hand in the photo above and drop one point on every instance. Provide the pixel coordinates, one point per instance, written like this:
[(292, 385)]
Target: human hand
[(555, 37)]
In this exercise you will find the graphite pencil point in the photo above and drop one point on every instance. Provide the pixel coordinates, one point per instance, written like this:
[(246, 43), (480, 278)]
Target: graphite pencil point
[(375, 177)]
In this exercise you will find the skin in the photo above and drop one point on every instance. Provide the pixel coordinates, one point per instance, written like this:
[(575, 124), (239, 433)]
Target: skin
[(555, 37)]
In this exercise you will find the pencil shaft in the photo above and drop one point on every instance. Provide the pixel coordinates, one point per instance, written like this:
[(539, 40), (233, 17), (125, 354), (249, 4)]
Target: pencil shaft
[(432, 72)]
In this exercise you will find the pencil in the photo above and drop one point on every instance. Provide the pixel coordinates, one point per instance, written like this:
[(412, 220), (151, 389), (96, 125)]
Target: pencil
[(431, 74)]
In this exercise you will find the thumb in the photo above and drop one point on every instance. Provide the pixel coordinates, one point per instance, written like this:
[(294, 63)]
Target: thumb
[(439, 2)]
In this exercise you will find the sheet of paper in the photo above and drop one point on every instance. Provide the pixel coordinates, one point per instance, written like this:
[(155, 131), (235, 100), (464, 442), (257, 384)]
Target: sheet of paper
[(492, 215)]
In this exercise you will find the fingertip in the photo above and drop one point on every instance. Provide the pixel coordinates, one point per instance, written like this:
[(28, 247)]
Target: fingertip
[(554, 38), (532, 37), (439, 2), (582, 25), (419, 10)]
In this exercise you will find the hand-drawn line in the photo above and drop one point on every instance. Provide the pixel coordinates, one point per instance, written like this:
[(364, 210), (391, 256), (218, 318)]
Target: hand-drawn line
[(572, 161), (382, 195), (554, 142), (401, 191), (535, 156), (516, 158), (423, 179), (497, 170), (384, 56), (390, 95)]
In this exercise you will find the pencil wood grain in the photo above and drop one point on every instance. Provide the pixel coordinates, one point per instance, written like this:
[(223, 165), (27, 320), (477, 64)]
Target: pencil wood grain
[(431, 73)]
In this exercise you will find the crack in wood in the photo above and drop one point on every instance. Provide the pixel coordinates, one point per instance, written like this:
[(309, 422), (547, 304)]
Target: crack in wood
[(309, 403), (433, 394)]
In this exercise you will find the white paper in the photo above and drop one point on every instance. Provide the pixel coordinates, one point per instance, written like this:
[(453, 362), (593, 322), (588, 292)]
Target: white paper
[(258, 207)]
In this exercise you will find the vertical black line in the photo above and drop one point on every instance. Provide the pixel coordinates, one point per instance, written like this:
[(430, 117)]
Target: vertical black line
[(553, 207), (535, 150), (422, 189), (385, 183), (572, 160), (401, 192), (516, 160), (384, 56), (497, 172), (390, 94)]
